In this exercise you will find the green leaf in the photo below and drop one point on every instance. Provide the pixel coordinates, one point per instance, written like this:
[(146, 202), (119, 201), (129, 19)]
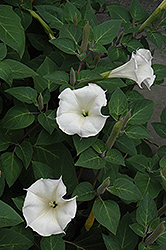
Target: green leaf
[(146, 184), (25, 16), (4, 142), (40, 82), (88, 13), (125, 190), (6, 72), (159, 71), (19, 201), (70, 11), (66, 45), (111, 84), (57, 77), (81, 144), (117, 12), (42, 170), (71, 32), (134, 95), (47, 120), (99, 146), (140, 162), (52, 15), (110, 243), (99, 48), (17, 117), (133, 45), (84, 192), (160, 128), (107, 213), (162, 150), (12, 167), (115, 157), (12, 32), (142, 111), (118, 104), (105, 32), (147, 211), (19, 70), (125, 144), (3, 51), (126, 238), (12, 240), (137, 132), (163, 116), (23, 94), (156, 38), (8, 216), (45, 138), (53, 242), (162, 239), (138, 229), (90, 159), (138, 12), (25, 151), (116, 54)]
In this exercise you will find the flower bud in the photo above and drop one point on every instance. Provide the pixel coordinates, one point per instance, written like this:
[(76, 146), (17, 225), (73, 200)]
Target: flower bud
[(156, 233), (125, 120), (72, 77), (89, 222), (101, 189), (75, 19), (85, 38), (40, 102)]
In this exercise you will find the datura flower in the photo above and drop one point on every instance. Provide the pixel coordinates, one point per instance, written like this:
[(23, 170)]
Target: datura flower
[(44, 209), (137, 69), (79, 110)]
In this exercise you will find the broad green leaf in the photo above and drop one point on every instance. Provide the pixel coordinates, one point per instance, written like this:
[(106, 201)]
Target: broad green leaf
[(162, 239), (138, 12), (88, 13), (58, 157), (53, 242), (87, 75), (17, 117), (137, 132), (22, 229), (45, 138), (12, 32), (57, 77), (52, 15), (6, 72), (38, 41), (84, 192), (118, 104), (146, 184), (3, 51), (90, 159), (66, 45), (70, 11), (140, 162), (47, 120), (147, 211), (8, 216), (41, 83), (19, 201), (2, 181), (163, 116), (99, 48), (25, 16), (115, 157), (134, 95), (162, 150), (4, 141), (25, 151), (19, 70), (125, 144), (117, 12), (116, 54), (110, 243), (160, 128), (13, 240), (99, 146), (126, 238), (138, 229), (125, 190), (133, 45), (141, 111), (12, 167), (82, 144), (23, 94), (111, 84), (159, 71), (155, 38), (42, 170), (105, 32), (107, 213), (71, 32)]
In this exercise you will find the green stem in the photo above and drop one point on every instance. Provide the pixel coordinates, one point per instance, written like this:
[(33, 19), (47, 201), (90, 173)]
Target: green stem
[(152, 16)]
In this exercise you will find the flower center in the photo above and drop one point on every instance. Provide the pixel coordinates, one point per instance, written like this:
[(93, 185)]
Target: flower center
[(53, 204), (85, 113)]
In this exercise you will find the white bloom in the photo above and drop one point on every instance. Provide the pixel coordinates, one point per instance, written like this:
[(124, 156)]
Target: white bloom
[(79, 110), (138, 69), (45, 211)]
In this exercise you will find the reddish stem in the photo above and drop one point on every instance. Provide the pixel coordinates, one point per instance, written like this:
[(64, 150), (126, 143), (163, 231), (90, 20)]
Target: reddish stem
[(83, 61)]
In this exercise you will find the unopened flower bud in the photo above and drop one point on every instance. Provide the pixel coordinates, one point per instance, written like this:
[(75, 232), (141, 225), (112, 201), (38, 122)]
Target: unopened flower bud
[(101, 189), (125, 120), (75, 19), (40, 102), (72, 77), (156, 233), (85, 38)]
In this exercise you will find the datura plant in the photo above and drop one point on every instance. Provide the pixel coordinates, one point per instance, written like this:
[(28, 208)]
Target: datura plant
[(79, 168)]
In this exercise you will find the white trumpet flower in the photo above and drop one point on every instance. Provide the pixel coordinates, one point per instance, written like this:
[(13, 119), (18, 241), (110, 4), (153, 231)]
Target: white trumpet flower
[(79, 110), (44, 209)]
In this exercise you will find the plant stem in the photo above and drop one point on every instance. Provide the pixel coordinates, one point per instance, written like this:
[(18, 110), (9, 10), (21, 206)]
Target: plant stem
[(22, 138), (83, 61)]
